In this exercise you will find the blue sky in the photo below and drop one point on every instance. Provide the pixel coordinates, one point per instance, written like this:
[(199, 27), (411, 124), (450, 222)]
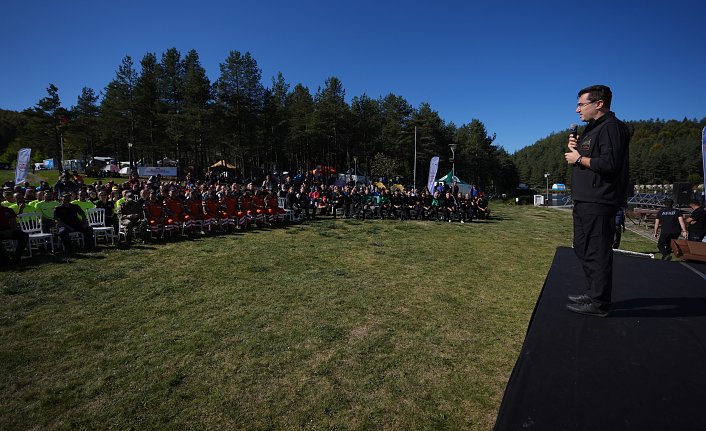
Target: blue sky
[(516, 66)]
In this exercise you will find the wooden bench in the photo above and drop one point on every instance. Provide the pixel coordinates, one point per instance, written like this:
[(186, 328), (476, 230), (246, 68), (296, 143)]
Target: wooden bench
[(689, 250), (646, 215)]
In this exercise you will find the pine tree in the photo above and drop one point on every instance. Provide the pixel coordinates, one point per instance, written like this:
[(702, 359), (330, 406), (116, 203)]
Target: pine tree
[(300, 112), (118, 108)]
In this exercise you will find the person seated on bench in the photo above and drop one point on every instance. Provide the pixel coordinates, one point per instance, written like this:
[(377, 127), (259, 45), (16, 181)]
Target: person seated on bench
[(696, 221)]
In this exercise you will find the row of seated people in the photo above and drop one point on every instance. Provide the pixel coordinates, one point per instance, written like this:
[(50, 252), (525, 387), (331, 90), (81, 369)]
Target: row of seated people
[(187, 211), (363, 203)]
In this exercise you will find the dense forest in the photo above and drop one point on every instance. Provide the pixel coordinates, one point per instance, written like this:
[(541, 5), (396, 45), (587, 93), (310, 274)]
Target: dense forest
[(168, 107), (661, 152)]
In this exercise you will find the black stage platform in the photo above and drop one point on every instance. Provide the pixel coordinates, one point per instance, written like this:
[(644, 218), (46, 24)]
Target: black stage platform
[(641, 368)]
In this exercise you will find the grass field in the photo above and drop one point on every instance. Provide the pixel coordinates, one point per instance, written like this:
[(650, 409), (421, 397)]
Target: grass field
[(327, 325)]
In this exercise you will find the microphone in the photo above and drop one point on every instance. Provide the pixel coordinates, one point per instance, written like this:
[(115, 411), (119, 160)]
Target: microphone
[(574, 129)]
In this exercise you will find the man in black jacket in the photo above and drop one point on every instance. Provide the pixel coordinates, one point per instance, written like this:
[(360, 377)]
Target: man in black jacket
[(599, 186)]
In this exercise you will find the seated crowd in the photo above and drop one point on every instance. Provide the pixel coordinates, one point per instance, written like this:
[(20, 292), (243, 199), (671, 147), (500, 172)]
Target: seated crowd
[(145, 209)]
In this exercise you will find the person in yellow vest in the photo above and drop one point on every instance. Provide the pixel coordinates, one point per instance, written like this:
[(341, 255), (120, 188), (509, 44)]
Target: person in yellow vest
[(83, 201), (19, 205), (8, 198), (46, 209), (122, 199), (33, 199)]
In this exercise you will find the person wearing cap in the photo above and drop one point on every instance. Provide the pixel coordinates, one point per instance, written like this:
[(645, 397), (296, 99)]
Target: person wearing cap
[(672, 223), (70, 218)]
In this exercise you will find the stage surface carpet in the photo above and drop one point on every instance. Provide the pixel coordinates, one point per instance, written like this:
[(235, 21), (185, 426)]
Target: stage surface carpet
[(641, 368)]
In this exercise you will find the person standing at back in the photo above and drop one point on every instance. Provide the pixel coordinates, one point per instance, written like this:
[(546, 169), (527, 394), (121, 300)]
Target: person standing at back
[(696, 221), (599, 186)]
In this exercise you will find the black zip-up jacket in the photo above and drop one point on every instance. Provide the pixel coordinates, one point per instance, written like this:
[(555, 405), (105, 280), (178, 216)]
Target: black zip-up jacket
[(606, 141)]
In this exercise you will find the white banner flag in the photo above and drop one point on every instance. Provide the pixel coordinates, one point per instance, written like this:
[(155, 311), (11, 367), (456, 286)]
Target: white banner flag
[(433, 166), (22, 163), (703, 153)]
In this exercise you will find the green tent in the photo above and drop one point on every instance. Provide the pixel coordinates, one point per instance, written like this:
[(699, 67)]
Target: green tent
[(463, 186)]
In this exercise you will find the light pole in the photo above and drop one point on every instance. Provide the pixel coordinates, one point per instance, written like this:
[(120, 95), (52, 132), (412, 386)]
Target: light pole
[(453, 161), (546, 176), (355, 169), (129, 155)]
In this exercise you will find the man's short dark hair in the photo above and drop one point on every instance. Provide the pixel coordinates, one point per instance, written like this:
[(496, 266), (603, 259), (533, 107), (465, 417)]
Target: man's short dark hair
[(598, 92), (668, 203)]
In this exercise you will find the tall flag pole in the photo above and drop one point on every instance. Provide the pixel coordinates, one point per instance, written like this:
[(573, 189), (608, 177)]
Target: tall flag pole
[(415, 157)]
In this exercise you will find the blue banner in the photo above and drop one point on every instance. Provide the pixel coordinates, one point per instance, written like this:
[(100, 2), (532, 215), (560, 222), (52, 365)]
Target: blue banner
[(22, 163)]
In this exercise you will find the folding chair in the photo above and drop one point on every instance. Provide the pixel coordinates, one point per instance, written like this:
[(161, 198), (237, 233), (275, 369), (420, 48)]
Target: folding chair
[(96, 219), (31, 223)]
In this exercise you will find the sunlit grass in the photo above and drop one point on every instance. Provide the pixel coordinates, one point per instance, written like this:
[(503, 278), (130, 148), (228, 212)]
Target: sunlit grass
[(334, 324)]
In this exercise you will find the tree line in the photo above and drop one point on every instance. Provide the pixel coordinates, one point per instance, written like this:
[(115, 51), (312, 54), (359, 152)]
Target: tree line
[(661, 152), (168, 107)]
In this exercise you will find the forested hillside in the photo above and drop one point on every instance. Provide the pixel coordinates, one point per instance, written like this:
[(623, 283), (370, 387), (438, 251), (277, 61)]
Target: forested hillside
[(661, 151), (168, 107)]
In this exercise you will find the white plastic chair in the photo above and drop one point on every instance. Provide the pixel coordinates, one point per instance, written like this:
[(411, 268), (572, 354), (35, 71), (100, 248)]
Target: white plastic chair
[(31, 223), (96, 219), (288, 213)]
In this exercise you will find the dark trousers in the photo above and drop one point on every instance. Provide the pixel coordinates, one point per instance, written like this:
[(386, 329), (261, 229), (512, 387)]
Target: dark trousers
[(21, 237), (664, 243), (593, 241), (87, 232)]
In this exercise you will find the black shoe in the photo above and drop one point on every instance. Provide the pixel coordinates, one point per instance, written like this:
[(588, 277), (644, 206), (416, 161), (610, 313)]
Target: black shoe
[(579, 299), (587, 309)]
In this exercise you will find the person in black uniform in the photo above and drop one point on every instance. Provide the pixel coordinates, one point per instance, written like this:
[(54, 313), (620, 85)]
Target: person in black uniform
[(696, 221), (672, 223), (599, 184)]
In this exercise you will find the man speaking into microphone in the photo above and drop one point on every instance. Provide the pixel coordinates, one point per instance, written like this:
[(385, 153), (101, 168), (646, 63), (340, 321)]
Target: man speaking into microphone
[(599, 186)]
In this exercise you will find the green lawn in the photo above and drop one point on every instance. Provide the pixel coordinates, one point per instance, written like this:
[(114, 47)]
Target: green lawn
[(50, 176), (328, 325)]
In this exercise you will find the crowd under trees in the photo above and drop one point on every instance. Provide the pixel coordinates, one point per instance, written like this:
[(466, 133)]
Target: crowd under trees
[(167, 107)]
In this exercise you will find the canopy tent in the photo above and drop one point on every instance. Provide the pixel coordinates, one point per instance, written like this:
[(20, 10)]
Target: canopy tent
[(110, 168), (222, 164), (449, 179)]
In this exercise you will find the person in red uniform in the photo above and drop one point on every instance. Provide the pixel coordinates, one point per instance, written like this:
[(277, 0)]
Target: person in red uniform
[(154, 213), (246, 210), (211, 210), (229, 210), (259, 204), (174, 211), (194, 211)]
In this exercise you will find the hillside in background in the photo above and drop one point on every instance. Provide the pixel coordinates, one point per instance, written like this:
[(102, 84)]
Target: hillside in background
[(661, 151)]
